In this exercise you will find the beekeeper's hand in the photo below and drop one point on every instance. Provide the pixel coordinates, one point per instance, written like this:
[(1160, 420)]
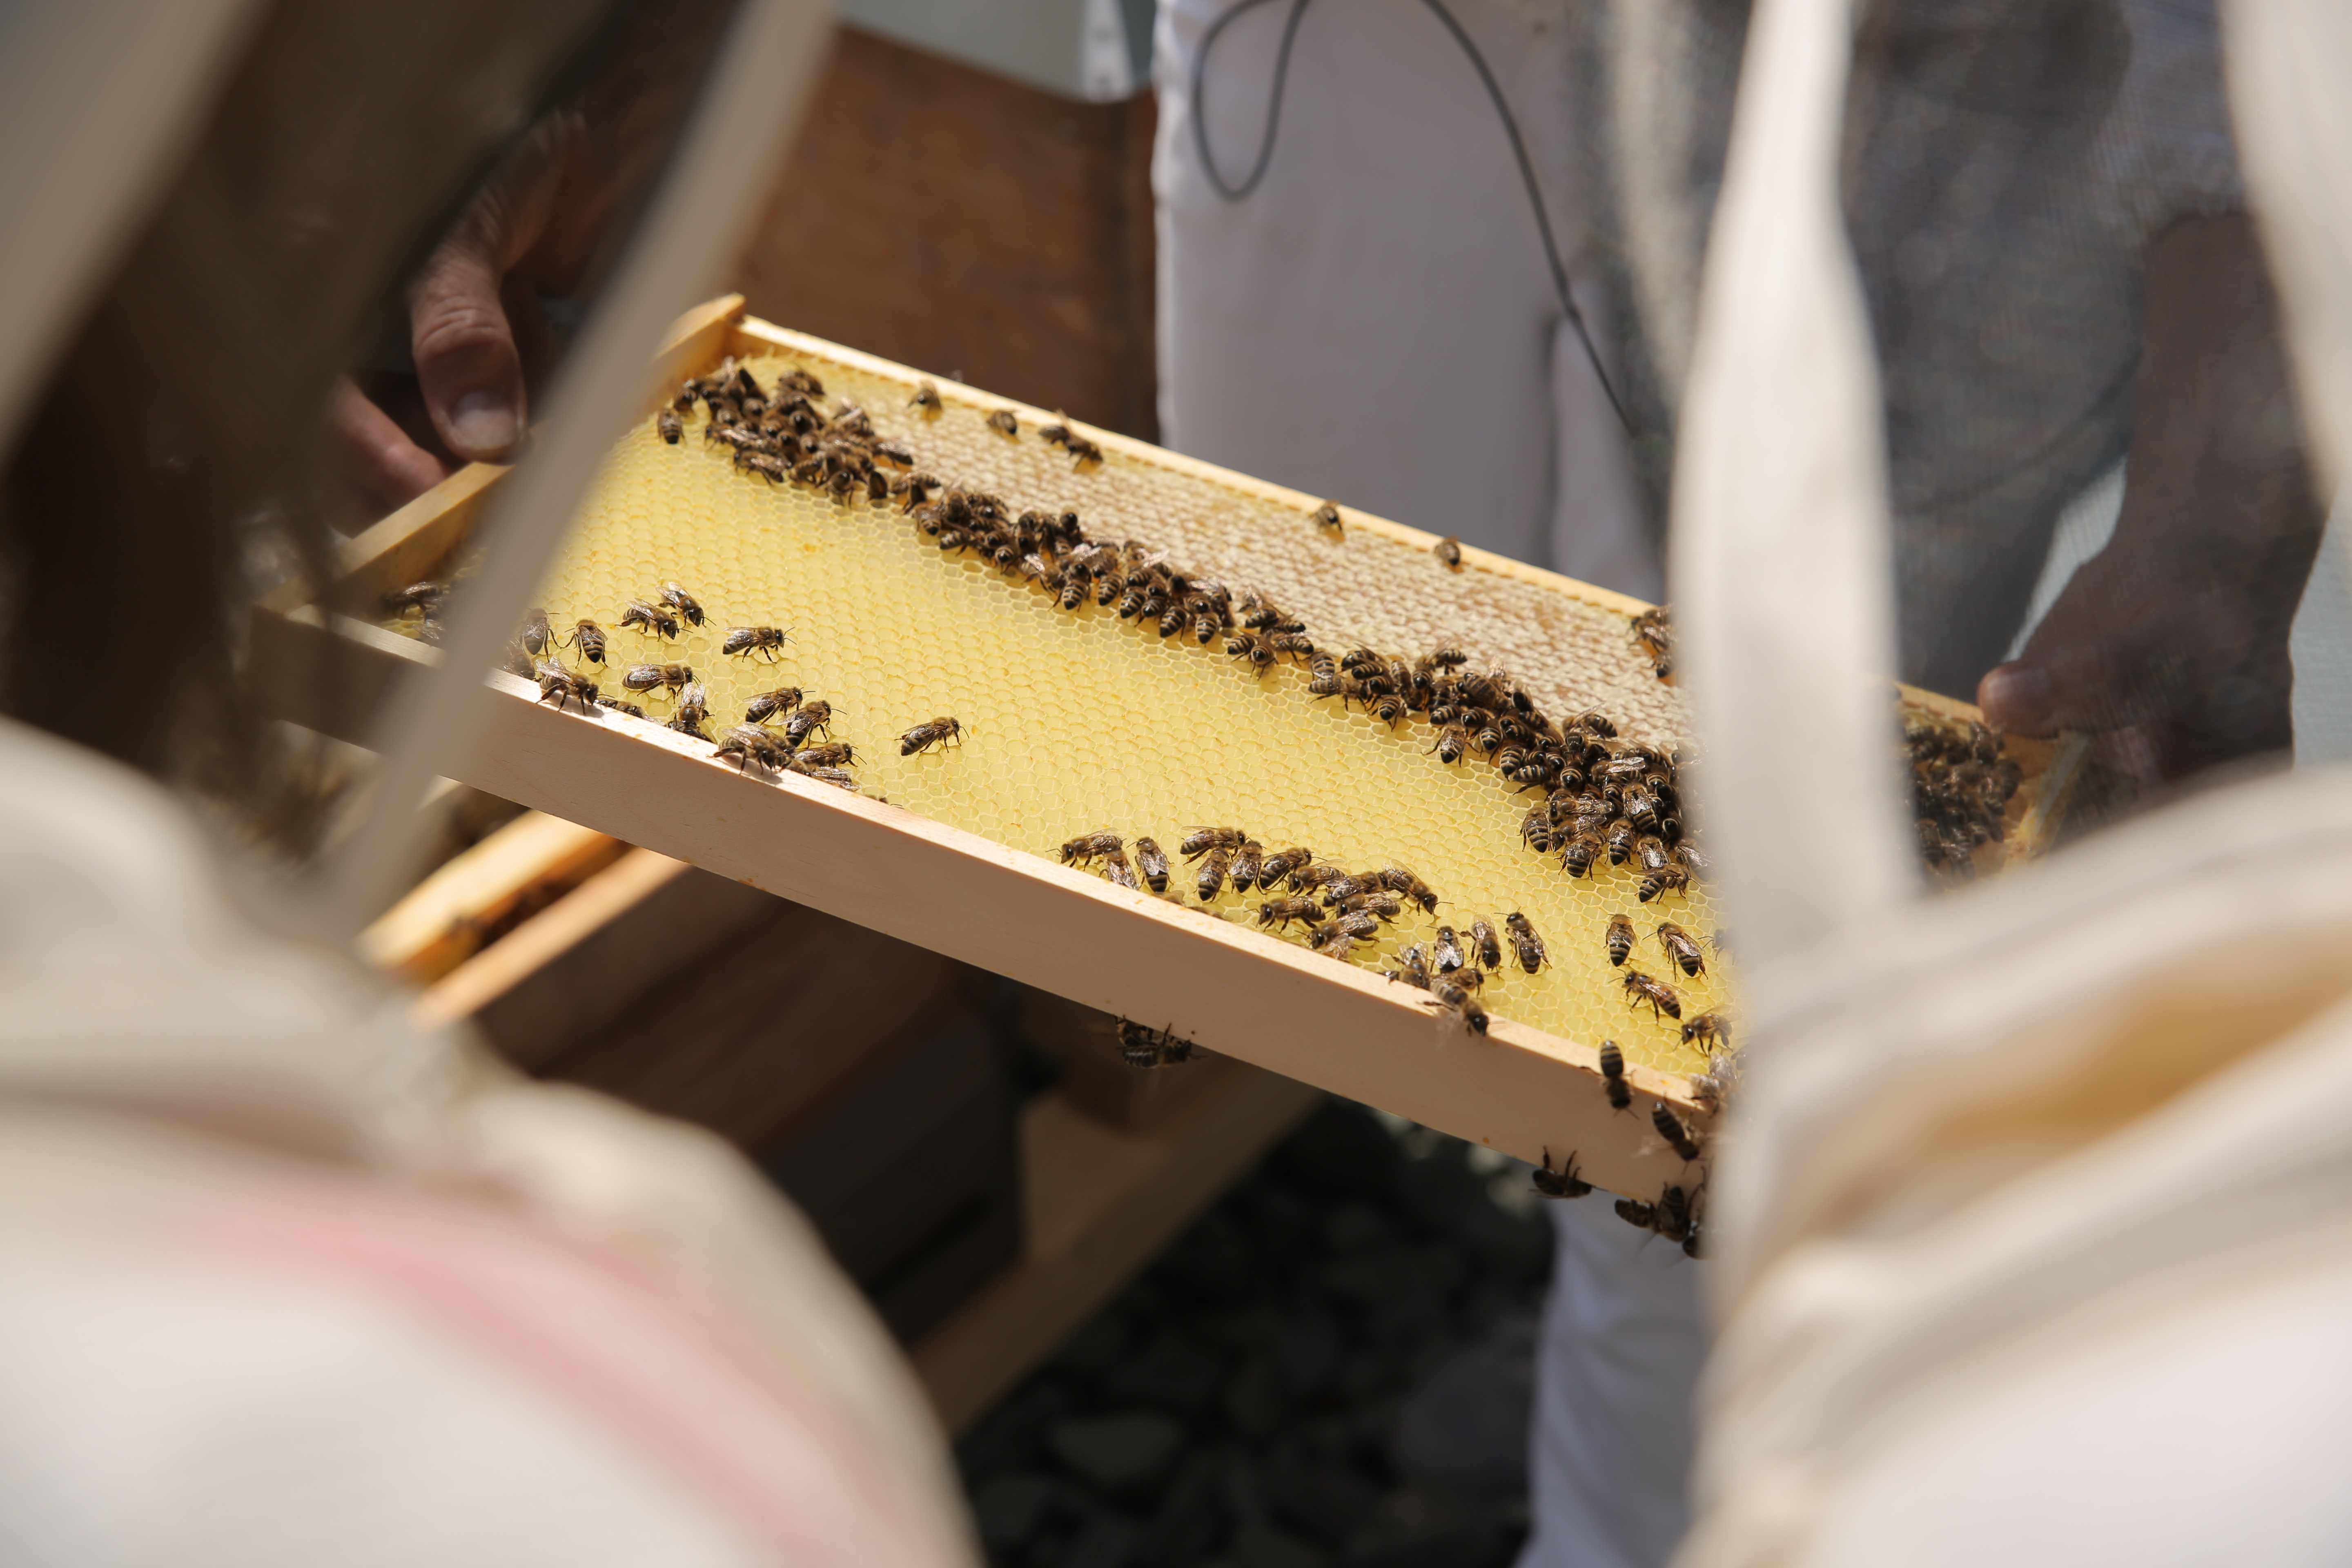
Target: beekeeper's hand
[(2171, 643), (475, 329)]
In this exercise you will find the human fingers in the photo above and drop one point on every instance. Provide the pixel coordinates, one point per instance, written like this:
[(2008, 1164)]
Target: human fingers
[(392, 468)]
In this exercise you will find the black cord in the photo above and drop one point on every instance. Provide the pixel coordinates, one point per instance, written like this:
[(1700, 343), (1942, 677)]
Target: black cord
[(1494, 94)]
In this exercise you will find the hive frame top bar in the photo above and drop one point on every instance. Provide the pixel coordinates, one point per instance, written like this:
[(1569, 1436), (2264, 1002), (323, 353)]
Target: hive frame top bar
[(1518, 1090)]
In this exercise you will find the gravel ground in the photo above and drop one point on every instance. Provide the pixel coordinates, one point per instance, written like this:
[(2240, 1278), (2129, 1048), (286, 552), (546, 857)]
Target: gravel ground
[(1331, 1367)]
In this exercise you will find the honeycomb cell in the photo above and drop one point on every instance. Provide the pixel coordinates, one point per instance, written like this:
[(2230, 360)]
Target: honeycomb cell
[(1078, 722)]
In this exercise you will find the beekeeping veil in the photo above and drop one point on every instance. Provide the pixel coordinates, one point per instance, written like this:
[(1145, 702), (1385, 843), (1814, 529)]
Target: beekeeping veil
[(2043, 1182), (217, 211)]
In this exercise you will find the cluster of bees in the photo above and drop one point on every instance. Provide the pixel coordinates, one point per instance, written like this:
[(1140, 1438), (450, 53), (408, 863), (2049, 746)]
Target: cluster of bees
[(1675, 1215), (1961, 785), (1338, 911), (782, 731)]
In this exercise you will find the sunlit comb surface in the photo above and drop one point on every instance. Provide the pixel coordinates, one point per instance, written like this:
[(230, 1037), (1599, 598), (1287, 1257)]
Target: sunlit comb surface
[(1078, 722)]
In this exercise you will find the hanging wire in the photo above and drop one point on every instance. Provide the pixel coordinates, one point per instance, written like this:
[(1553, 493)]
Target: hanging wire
[(1249, 184)]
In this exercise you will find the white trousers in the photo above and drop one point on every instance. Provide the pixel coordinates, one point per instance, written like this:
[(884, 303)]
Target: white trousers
[(1376, 323), (1616, 1371)]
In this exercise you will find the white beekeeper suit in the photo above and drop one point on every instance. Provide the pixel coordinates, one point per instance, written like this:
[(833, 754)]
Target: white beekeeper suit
[(2033, 1243), (1377, 323)]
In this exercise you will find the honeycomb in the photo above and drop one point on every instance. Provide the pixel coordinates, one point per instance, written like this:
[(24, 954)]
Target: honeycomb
[(1078, 722)]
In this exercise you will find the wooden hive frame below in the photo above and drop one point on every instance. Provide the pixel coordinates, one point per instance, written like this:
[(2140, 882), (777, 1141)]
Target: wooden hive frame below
[(1229, 989)]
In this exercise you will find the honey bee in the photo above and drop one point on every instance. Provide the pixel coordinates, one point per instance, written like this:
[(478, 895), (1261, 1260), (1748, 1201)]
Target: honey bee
[(1117, 868), (1651, 851), (1282, 863), (1088, 845), (940, 733), (1535, 828), (561, 685), (424, 597), (1372, 901), (1333, 942), (927, 398), (589, 638), (1670, 1217), (538, 637), (771, 704), (1620, 839), (1640, 988), (809, 719), (1682, 947), (1716, 1087), (1578, 854), (680, 600), (749, 744), (1082, 450), (650, 677), (1446, 950), (1295, 645), (1563, 1182), (1653, 632), (1671, 1129), (1282, 912), (749, 640), (1620, 940), (1004, 422), (1712, 1030), (1327, 518), (1674, 879), (1450, 995), (1397, 879), (1324, 876), (832, 754), (1637, 1214), (1412, 968), (1525, 943), (649, 619), (1490, 950), (1357, 927), (1248, 861), (1453, 741), (840, 777), (1146, 1048), (1448, 551), (1687, 855), (1612, 1076), (1210, 878), (1199, 841), (693, 707), (670, 425), (1153, 863)]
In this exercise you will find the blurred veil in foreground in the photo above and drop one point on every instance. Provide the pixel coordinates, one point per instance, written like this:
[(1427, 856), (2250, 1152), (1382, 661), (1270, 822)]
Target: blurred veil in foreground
[(286, 1281)]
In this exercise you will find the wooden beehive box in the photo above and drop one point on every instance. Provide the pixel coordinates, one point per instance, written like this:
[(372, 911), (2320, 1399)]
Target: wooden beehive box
[(1081, 723)]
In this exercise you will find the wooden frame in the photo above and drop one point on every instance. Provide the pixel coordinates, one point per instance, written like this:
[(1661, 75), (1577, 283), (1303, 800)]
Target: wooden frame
[(1241, 993)]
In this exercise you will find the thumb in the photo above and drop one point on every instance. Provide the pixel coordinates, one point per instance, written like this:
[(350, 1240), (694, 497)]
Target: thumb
[(460, 333), (466, 361)]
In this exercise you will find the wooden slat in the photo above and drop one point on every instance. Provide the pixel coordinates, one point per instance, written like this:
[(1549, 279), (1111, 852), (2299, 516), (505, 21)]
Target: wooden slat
[(438, 925), (1102, 1203)]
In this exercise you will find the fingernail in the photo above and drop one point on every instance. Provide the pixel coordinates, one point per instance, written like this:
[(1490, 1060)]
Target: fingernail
[(483, 423), (2016, 695)]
